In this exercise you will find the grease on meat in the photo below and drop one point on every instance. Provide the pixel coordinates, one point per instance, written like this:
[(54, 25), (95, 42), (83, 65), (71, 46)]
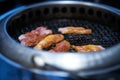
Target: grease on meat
[(87, 48), (33, 37), (49, 40), (74, 30), (63, 46)]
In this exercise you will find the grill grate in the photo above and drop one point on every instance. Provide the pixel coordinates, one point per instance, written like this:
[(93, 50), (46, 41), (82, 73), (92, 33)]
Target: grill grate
[(102, 34)]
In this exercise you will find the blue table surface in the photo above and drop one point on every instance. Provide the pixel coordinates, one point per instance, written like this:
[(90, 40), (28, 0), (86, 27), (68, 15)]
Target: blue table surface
[(9, 72)]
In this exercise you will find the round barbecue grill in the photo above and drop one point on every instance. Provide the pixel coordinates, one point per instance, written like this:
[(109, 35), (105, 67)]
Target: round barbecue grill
[(103, 20)]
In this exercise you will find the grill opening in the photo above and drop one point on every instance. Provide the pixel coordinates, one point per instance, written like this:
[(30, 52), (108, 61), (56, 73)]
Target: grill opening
[(73, 10), (64, 10), (99, 13), (82, 10), (46, 11), (55, 10), (105, 31), (90, 12)]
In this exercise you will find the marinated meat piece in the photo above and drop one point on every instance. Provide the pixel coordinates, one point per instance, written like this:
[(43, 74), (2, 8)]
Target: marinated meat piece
[(49, 40), (33, 37), (74, 30), (87, 48), (63, 46)]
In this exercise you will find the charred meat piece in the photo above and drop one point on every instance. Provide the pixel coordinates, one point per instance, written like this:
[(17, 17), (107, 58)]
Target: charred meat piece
[(33, 37), (63, 46), (87, 48), (74, 30), (49, 40)]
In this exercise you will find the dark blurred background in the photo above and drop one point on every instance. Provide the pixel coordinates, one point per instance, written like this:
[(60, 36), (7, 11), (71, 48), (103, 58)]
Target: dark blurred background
[(9, 72), (6, 5)]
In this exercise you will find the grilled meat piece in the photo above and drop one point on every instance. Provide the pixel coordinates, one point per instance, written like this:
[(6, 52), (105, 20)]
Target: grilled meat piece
[(63, 46), (33, 37), (74, 30), (49, 40), (87, 48)]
